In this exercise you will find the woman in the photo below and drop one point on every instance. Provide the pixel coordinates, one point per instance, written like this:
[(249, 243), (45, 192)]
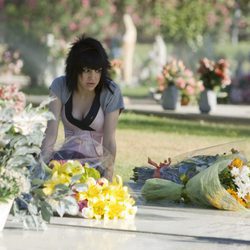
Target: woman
[(89, 104)]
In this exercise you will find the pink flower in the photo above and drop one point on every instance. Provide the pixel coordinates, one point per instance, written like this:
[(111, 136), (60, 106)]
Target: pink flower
[(85, 3), (100, 12), (181, 83), (190, 90), (82, 204), (214, 74), (73, 26)]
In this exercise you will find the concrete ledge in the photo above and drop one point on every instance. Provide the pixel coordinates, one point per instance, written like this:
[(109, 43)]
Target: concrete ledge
[(238, 114), (190, 116)]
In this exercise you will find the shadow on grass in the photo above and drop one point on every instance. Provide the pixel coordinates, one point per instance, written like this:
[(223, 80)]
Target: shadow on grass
[(157, 124)]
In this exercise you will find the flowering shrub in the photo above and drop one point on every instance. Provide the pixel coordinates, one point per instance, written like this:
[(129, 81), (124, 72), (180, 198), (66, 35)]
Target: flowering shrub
[(77, 189), (175, 73), (10, 61), (10, 96), (214, 74)]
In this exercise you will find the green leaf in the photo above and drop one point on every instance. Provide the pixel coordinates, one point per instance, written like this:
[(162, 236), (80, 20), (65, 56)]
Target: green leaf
[(24, 150), (39, 192), (60, 208), (92, 172), (46, 211), (76, 178), (81, 187), (71, 206), (37, 181), (61, 190)]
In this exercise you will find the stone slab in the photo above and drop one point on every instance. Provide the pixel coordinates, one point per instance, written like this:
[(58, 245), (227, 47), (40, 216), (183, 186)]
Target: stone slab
[(154, 227)]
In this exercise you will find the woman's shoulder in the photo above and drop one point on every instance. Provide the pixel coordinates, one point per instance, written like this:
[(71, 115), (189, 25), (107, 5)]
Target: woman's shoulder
[(59, 88), (111, 97), (59, 81), (111, 87)]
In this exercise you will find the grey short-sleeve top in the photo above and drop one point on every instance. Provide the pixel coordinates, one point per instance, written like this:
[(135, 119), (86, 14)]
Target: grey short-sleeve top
[(110, 98)]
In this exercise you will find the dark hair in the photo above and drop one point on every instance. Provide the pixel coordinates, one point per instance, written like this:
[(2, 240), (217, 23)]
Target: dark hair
[(86, 52)]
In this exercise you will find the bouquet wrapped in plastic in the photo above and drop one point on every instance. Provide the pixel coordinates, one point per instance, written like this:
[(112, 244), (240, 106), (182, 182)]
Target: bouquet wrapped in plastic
[(218, 177)]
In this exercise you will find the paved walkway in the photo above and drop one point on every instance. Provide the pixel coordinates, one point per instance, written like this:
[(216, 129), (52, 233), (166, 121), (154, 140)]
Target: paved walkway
[(223, 113)]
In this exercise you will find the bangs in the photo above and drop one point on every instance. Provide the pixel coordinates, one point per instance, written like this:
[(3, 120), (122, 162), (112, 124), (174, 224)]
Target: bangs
[(90, 58)]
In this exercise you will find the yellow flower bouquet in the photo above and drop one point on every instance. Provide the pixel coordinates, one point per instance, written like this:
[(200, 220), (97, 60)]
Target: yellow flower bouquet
[(76, 189)]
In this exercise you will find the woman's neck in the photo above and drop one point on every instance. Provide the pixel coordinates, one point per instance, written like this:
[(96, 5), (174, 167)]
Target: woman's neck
[(84, 92)]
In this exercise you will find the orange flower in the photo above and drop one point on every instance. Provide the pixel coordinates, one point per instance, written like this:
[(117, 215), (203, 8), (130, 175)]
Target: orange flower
[(237, 163), (247, 197), (234, 194)]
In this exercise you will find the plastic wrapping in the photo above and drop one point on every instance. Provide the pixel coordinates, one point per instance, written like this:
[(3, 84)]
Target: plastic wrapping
[(84, 148), (199, 184), (206, 189)]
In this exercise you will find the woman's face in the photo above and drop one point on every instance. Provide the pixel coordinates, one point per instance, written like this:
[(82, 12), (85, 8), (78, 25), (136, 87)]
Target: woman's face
[(89, 78)]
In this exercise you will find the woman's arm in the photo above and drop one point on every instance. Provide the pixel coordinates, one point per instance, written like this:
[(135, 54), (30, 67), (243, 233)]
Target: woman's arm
[(48, 143), (109, 142)]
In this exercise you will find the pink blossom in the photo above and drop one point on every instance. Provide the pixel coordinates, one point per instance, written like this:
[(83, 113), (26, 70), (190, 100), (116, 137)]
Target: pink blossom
[(181, 83), (188, 73), (100, 12), (112, 9), (157, 22), (85, 21), (1, 4), (190, 90), (85, 3), (73, 26), (82, 204)]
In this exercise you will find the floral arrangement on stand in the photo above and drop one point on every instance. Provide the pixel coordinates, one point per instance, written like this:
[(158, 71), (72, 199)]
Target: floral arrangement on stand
[(211, 180), (214, 75), (76, 189), (175, 73)]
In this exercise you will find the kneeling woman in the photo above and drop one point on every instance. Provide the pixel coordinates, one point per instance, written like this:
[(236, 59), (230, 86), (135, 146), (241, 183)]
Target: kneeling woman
[(89, 103)]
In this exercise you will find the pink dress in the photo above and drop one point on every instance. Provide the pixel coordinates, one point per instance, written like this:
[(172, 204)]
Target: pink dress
[(83, 138)]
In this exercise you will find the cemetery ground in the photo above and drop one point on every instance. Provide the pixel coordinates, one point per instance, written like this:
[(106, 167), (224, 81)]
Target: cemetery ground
[(155, 227)]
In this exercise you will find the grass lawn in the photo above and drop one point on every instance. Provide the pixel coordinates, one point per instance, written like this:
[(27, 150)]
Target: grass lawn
[(140, 137)]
